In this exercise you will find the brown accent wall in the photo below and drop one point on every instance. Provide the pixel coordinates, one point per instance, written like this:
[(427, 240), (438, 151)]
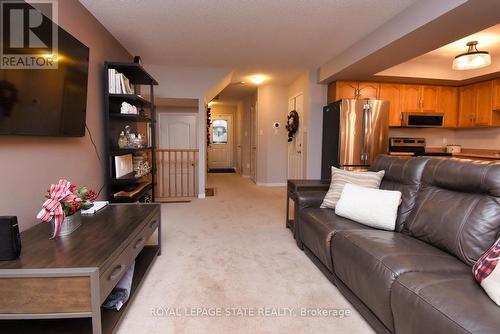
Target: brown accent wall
[(28, 165)]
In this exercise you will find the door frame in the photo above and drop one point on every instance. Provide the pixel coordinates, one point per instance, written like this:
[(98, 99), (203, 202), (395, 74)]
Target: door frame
[(254, 143), (300, 132)]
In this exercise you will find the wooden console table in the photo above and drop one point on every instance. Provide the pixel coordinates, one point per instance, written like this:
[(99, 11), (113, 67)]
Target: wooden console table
[(69, 278)]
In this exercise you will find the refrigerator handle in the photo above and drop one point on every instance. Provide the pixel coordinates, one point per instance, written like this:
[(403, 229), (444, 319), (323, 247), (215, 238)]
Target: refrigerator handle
[(368, 131), (364, 154)]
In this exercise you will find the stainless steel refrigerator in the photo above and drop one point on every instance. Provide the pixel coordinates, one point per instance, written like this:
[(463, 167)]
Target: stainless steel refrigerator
[(354, 133)]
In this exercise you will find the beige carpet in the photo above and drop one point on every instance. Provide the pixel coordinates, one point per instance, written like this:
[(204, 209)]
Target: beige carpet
[(230, 254)]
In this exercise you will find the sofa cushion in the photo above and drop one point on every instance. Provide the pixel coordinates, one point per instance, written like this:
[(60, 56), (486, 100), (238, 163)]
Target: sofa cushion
[(376, 208), (369, 261), (317, 227), (458, 207), (404, 175), (442, 303), (342, 177)]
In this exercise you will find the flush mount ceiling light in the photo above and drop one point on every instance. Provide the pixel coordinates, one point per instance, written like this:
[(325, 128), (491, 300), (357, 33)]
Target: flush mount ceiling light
[(472, 59), (258, 79)]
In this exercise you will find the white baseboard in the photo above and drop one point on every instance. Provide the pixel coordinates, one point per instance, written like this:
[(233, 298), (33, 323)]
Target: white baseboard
[(276, 184), (201, 196), (245, 176)]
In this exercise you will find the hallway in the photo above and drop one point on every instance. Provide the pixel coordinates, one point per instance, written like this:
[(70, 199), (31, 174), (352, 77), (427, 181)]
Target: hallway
[(232, 251)]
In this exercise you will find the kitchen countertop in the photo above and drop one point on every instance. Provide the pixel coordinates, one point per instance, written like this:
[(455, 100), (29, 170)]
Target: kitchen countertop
[(470, 153), (483, 154)]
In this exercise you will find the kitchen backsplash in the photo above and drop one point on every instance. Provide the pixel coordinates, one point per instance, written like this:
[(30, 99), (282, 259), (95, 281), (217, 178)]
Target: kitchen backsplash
[(467, 138)]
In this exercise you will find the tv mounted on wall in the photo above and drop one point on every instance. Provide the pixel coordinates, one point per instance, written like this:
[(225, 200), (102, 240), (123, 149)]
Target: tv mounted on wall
[(50, 101)]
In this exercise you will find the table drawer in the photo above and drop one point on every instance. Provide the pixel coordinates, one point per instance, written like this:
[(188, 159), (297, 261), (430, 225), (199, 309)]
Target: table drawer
[(138, 243), (114, 273)]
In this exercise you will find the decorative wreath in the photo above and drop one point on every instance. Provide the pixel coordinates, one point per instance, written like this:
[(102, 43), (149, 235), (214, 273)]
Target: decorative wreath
[(292, 124)]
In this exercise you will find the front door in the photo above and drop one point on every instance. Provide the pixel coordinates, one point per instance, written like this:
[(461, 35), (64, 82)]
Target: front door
[(220, 152), (295, 147)]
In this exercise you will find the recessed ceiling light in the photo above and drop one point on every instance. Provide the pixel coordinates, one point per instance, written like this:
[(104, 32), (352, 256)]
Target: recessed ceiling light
[(258, 79), (472, 59)]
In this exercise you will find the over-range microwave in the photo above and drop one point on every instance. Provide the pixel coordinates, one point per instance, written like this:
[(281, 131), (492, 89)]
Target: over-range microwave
[(422, 120)]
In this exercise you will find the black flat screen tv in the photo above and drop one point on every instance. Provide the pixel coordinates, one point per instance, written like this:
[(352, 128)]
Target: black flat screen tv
[(47, 102)]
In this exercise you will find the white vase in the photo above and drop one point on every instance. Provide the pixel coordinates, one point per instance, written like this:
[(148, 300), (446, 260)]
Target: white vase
[(69, 224)]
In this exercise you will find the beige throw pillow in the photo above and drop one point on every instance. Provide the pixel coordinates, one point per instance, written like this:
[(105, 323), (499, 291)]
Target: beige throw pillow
[(342, 177)]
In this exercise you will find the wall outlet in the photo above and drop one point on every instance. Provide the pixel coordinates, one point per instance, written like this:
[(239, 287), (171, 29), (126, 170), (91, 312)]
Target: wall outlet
[(248, 166)]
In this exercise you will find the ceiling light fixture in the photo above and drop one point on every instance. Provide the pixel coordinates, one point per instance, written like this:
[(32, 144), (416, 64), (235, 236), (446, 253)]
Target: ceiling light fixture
[(258, 79), (472, 59)]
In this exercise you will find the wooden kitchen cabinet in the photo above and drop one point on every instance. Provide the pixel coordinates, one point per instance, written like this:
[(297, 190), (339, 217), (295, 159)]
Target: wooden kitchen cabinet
[(484, 107), (477, 105), (368, 90), (342, 90), (496, 94), (352, 90), (447, 103), (418, 98), (410, 96), (467, 106), (429, 98), (392, 93)]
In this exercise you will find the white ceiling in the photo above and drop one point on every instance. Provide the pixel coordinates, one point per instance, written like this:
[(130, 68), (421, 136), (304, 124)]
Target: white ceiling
[(279, 38), (437, 64)]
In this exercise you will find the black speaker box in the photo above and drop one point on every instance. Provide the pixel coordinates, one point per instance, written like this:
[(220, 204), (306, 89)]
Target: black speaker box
[(10, 239)]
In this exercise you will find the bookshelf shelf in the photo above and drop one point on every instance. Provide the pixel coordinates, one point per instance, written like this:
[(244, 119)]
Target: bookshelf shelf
[(128, 188), (135, 72), (131, 98), (130, 117)]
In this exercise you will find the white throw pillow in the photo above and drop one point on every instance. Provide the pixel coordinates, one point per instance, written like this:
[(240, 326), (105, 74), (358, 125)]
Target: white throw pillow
[(342, 177), (487, 272), (372, 207)]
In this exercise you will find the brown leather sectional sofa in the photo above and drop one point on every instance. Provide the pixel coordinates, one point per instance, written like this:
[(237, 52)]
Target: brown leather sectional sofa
[(417, 279)]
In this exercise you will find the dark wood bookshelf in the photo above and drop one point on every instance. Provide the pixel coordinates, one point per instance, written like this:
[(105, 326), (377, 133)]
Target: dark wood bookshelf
[(115, 122)]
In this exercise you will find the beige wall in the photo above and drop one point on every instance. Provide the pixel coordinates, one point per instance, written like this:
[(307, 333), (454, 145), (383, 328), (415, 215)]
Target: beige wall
[(30, 164), (272, 106)]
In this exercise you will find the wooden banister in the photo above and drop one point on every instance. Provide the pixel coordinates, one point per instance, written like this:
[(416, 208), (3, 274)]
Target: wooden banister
[(176, 173)]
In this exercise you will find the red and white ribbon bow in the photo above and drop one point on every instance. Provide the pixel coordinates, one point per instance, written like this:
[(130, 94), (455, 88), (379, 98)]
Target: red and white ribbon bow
[(52, 208)]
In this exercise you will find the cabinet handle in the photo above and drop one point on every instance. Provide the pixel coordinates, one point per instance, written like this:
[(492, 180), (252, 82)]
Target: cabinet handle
[(139, 242), (116, 272)]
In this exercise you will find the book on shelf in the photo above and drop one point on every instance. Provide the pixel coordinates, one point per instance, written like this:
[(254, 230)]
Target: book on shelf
[(119, 83)]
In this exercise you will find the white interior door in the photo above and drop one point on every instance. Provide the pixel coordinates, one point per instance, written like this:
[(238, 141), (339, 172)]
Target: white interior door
[(253, 143), (220, 152), (177, 132), (295, 147)]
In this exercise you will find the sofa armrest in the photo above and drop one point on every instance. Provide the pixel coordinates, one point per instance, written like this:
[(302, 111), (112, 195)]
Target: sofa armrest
[(304, 200), (310, 199)]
